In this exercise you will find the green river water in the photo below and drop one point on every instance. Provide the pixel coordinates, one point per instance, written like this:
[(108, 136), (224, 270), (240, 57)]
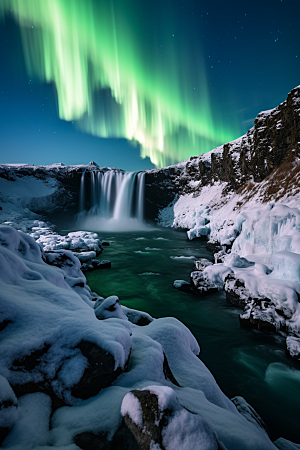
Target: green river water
[(244, 361)]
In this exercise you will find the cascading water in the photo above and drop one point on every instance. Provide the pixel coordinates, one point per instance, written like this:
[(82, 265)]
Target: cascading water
[(114, 200)]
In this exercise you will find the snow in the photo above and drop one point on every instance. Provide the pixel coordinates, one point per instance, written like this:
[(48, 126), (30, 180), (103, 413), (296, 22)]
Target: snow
[(79, 241), (284, 444), (9, 414), (132, 407), (109, 308), (51, 313), (32, 428)]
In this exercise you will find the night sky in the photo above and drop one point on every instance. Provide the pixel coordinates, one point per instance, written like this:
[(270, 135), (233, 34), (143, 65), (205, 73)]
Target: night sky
[(136, 84)]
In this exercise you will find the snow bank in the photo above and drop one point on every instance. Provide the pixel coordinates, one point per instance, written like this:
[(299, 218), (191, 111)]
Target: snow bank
[(46, 318)]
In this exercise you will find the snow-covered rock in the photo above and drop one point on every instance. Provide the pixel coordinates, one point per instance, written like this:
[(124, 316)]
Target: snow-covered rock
[(210, 279), (51, 334), (157, 420)]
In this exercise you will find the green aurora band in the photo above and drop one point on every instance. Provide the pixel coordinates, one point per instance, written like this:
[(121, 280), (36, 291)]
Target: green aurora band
[(115, 80)]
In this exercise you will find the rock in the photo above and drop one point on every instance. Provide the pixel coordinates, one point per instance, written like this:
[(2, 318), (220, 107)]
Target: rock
[(214, 246), (105, 243), (85, 257), (95, 264), (201, 263), (183, 286), (110, 307), (259, 312), (104, 264), (202, 285), (154, 417), (236, 293), (137, 317), (98, 300), (220, 256), (293, 346), (248, 412), (99, 374)]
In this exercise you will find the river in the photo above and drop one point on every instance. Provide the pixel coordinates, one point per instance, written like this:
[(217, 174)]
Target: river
[(245, 362)]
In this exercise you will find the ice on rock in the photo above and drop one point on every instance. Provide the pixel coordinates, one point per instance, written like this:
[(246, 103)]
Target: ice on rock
[(293, 346), (286, 266), (85, 256), (201, 263), (211, 278), (269, 231), (234, 260)]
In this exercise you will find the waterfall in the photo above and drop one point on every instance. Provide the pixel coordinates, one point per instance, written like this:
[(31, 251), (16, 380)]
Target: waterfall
[(141, 196), (112, 200), (82, 192)]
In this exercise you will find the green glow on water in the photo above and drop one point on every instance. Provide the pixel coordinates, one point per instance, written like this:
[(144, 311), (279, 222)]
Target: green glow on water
[(115, 80)]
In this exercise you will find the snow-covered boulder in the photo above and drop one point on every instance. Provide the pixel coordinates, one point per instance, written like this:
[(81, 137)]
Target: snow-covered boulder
[(109, 308), (157, 420), (293, 346), (210, 279), (77, 241), (140, 318)]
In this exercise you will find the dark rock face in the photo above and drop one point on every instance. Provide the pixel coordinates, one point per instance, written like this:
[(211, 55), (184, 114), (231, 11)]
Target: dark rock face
[(152, 421), (99, 374), (168, 372), (273, 140), (236, 293), (29, 363), (160, 189)]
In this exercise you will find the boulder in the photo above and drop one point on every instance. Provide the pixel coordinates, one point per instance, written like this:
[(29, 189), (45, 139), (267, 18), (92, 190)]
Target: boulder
[(183, 286), (156, 420), (137, 317), (100, 372), (293, 346), (109, 308), (201, 263)]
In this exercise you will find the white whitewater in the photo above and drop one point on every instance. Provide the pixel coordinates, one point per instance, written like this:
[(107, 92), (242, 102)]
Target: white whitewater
[(112, 201)]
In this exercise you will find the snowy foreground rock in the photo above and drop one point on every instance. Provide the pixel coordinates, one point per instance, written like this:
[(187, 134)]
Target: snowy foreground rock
[(77, 372)]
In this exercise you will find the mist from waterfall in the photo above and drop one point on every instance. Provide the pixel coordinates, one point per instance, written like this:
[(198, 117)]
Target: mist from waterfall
[(112, 201)]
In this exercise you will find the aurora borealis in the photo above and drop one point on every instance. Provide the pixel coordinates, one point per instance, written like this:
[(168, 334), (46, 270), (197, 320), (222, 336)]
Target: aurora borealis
[(133, 70)]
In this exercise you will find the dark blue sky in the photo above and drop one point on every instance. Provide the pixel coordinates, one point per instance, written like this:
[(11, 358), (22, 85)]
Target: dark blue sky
[(250, 50)]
